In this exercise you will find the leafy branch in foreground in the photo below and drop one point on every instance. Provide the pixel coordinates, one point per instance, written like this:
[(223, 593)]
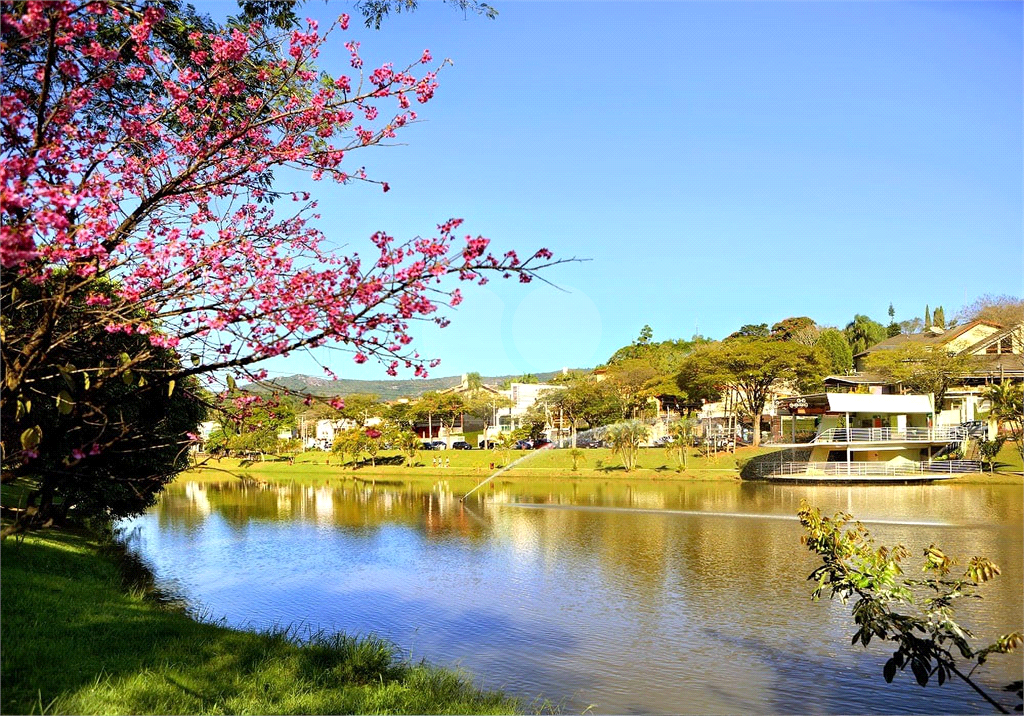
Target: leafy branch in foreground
[(916, 614)]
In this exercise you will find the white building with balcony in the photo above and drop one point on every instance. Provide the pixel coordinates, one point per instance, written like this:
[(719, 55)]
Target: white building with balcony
[(871, 437)]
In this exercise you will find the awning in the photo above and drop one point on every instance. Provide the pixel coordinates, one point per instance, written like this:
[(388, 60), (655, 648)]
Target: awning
[(870, 403)]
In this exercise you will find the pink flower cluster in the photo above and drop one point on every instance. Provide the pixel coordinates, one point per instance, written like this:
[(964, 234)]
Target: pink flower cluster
[(170, 199)]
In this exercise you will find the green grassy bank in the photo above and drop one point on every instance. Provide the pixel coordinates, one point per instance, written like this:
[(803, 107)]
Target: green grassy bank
[(77, 639), (653, 464), (600, 463)]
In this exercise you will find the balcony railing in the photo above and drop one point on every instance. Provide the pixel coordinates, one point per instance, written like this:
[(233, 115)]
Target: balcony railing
[(877, 435), (871, 469)]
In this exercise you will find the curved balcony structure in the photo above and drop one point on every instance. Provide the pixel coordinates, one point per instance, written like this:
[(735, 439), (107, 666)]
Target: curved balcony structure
[(903, 470)]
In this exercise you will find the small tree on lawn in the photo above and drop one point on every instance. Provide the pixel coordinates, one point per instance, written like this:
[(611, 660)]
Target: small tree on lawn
[(626, 438), (577, 457), (409, 443), (681, 432), (989, 449)]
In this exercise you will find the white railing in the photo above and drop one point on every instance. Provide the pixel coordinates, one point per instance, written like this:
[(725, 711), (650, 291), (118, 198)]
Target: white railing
[(871, 435), (845, 469)]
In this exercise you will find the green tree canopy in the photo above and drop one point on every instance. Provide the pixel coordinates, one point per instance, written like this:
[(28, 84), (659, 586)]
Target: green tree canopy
[(919, 369), (862, 333), (836, 350), (795, 328), (750, 330), (98, 429), (753, 368)]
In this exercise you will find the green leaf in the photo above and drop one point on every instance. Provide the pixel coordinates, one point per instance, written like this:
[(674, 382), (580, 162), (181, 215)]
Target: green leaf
[(86, 380), (195, 359), (125, 358), (920, 672), (128, 377), (64, 402), (889, 671), (31, 437), (170, 388)]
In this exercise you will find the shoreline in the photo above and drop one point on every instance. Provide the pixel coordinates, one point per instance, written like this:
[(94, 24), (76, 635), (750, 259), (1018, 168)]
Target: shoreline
[(280, 471), (85, 632)]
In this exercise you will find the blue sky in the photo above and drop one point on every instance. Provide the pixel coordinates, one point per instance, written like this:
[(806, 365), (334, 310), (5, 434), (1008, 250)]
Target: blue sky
[(718, 163)]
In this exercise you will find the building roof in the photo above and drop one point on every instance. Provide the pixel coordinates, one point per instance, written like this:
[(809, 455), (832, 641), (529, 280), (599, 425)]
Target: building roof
[(994, 338), (856, 379), (927, 338), (870, 403)]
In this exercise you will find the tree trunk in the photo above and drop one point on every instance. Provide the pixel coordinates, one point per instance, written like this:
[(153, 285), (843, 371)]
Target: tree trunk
[(755, 438)]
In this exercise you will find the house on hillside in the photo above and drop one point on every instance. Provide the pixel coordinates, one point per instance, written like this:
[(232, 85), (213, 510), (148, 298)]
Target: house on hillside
[(997, 355)]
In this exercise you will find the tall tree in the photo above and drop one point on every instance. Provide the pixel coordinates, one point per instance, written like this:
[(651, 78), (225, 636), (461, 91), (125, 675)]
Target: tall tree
[(793, 328), (1006, 405), (752, 367), (444, 408), (836, 349), (939, 317), (1004, 309), (927, 317), (862, 333), (360, 407), (128, 164), (628, 379), (750, 330), (893, 329)]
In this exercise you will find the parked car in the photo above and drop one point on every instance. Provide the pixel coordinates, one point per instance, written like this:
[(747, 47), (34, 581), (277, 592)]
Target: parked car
[(542, 442), (439, 445), (524, 445), (461, 445)]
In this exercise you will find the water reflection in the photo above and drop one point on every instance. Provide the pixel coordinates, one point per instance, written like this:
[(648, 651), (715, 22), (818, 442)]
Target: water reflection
[(633, 596)]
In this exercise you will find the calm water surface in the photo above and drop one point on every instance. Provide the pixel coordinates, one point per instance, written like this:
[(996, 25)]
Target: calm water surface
[(632, 597)]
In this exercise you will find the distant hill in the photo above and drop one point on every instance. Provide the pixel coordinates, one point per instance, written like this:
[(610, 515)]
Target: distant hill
[(386, 389)]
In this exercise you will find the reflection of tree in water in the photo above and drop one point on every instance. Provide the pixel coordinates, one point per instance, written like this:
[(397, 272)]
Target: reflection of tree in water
[(434, 509)]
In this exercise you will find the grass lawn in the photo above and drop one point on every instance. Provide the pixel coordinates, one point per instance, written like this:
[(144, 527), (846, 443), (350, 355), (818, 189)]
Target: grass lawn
[(1007, 470), (76, 640), (653, 463)]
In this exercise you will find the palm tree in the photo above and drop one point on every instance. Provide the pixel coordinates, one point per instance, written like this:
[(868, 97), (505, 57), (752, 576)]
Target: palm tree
[(1006, 405), (626, 438), (681, 432)]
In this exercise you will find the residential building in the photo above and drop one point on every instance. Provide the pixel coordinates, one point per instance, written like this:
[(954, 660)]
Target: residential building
[(865, 436), (996, 355)]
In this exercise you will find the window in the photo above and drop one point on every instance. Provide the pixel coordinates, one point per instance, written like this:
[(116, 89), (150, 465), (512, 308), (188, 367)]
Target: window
[(1004, 345)]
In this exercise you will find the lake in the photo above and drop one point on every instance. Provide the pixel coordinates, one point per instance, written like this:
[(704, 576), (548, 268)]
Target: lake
[(627, 596)]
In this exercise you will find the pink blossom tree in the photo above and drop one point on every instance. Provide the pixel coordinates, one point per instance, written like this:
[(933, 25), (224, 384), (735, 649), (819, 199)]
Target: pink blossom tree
[(139, 196)]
